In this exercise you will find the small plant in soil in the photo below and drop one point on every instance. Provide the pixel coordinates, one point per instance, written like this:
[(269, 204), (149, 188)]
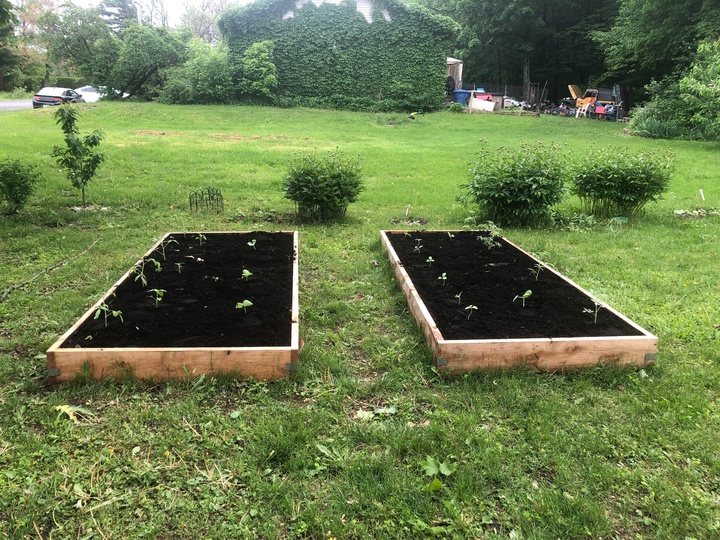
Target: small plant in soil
[(471, 308), (527, 294), (595, 311), (418, 245), (179, 267), (164, 245), (450, 235), (243, 305), (155, 263), (200, 238), (458, 295), (105, 310), (157, 295), (443, 277), (252, 243), (246, 274), (429, 260), (535, 270)]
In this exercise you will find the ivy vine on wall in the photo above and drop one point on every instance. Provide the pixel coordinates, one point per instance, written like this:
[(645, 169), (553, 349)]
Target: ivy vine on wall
[(331, 56)]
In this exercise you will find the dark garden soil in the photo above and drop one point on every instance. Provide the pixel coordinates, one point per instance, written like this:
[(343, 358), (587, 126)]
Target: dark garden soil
[(490, 279), (203, 283)]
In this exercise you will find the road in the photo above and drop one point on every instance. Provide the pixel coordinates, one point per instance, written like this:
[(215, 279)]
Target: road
[(12, 104)]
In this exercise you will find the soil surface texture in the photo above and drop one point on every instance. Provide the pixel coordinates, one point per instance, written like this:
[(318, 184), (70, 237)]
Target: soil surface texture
[(202, 279), (490, 279)]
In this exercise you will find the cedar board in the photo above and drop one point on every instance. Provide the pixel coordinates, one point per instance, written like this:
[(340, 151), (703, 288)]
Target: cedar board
[(542, 354), (162, 364)]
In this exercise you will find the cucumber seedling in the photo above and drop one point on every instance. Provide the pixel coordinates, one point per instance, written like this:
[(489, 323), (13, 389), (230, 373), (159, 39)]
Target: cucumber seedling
[(252, 243), (527, 294), (243, 305), (443, 277), (429, 260), (246, 274), (471, 308)]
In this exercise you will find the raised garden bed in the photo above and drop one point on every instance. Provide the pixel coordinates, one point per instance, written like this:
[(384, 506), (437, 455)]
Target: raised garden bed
[(467, 297), (178, 312)]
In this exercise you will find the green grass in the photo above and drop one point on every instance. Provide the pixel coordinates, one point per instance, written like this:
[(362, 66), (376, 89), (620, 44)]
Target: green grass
[(337, 450)]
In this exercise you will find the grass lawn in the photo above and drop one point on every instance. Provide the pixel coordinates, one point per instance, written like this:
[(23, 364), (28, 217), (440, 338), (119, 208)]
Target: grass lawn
[(342, 449)]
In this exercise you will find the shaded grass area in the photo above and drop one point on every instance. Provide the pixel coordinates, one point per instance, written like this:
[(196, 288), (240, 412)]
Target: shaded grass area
[(337, 451)]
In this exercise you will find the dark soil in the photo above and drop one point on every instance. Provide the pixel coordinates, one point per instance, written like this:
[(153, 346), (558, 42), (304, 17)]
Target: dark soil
[(490, 279), (198, 307)]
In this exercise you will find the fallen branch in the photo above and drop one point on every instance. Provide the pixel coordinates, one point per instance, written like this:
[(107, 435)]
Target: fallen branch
[(12, 288)]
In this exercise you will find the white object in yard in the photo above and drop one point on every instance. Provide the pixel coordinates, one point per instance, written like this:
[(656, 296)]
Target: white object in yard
[(480, 104)]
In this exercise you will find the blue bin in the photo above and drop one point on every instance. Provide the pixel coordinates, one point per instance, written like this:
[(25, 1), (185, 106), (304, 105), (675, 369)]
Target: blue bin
[(461, 96)]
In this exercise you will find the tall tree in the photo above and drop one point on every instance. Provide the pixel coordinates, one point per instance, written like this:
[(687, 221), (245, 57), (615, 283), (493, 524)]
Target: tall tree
[(145, 52), (509, 41), (9, 57), (118, 14), (652, 39), (81, 38), (6, 12), (201, 17)]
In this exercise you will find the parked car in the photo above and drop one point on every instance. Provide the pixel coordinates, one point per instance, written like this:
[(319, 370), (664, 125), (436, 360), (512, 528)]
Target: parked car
[(52, 95), (89, 93)]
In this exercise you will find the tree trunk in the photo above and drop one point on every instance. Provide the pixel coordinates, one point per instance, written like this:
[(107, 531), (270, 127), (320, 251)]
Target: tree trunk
[(526, 77)]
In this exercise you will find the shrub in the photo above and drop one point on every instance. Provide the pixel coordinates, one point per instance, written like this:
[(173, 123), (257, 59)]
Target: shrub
[(616, 182), (517, 187), (323, 187), (457, 108), (17, 183)]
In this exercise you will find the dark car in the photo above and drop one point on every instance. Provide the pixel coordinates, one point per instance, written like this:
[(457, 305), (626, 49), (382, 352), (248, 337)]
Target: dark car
[(51, 95)]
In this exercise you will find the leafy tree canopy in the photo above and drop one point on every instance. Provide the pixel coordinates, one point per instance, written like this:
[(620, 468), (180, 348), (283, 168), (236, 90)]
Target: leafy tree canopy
[(653, 39)]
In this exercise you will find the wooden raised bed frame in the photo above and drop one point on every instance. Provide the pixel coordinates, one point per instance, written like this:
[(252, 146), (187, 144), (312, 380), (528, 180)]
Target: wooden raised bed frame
[(542, 354), (161, 364)]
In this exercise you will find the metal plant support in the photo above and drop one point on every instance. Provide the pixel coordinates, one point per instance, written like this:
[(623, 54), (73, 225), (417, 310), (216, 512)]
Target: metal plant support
[(206, 199)]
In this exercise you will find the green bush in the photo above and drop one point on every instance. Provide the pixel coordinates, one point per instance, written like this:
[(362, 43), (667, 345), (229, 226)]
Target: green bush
[(17, 183), (616, 182), (457, 108), (323, 187), (517, 188)]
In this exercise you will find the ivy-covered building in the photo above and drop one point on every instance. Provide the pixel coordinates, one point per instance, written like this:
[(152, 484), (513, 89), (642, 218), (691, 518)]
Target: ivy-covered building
[(378, 55)]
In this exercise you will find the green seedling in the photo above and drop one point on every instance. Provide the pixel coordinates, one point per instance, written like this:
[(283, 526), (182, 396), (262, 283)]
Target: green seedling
[(527, 294), (139, 269), (450, 235), (105, 310), (243, 305), (200, 238), (252, 243), (179, 267), (163, 246), (458, 295), (157, 295), (443, 278), (418, 245), (156, 264), (246, 274), (471, 308), (598, 305), (430, 260), (535, 270)]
